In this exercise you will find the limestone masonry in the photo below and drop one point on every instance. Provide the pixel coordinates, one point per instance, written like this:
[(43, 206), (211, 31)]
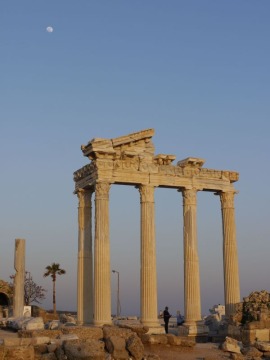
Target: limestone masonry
[(130, 160)]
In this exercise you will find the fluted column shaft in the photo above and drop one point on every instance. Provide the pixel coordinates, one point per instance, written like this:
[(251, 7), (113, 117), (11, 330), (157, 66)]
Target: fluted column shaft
[(102, 270), (148, 257), (19, 266), (191, 258), (230, 257), (85, 259)]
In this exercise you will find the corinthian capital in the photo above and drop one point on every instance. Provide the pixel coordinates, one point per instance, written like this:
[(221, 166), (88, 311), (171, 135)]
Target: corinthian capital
[(84, 197), (189, 196), (147, 193), (227, 199), (102, 190)]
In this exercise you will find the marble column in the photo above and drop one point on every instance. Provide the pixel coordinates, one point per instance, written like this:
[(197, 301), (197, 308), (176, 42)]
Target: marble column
[(102, 268), (85, 259), (148, 280), (191, 258), (19, 266), (230, 257)]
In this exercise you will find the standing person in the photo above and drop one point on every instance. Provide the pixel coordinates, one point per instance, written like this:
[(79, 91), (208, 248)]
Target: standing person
[(166, 317)]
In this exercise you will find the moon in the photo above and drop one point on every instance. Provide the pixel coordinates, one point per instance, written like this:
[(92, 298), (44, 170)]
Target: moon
[(49, 29)]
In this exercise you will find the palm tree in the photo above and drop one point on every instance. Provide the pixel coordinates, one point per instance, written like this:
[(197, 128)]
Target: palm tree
[(53, 270)]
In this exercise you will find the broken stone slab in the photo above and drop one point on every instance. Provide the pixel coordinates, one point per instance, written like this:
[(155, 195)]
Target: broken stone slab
[(180, 341), (231, 345), (251, 351), (135, 347), (262, 346), (92, 349), (116, 346), (235, 356)]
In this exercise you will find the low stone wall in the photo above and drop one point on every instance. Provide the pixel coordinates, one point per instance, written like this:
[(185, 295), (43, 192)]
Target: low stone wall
[(79, 342)]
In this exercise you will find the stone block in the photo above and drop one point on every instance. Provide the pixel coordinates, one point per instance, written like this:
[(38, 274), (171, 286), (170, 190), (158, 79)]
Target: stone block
[(40, 340), (235, 332), (251, 351), (88, 350), (135, 347), (235, 356), (109, 331), (48, 356), (248, 337), (40, 349), (173, 340), (231, 345), (10, 341), (262, 334), (116, 346), (84, 332), (262, 346)]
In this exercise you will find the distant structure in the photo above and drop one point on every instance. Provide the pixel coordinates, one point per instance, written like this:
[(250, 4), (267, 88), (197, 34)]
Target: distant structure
[(130, 160)]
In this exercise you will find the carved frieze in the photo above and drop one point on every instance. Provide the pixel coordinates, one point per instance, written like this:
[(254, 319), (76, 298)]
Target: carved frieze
[(84, 171), (128, 159)]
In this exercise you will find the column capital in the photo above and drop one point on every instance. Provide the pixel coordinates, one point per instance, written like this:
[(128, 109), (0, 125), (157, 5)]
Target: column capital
[(102, 190), (146, 193), (84, 196), (189, 196), (227, 199)]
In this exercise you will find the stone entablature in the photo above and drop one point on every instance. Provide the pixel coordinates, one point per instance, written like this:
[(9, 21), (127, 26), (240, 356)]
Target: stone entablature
[(131, 160)]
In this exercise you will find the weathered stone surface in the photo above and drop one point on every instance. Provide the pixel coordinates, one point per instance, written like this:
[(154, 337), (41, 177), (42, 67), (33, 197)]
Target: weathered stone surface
[(64, 318), (139, 329), (40, 340), (40, 349), (135, 347), (47, 356), (20, 352), (87, 350), (262, 346), (251, 351), (84, 332), (68, 337), (52, 347), (109, 331), (180, 341), (116, 346), (154, 339), (52, 325), (231, 345), (235, 356)]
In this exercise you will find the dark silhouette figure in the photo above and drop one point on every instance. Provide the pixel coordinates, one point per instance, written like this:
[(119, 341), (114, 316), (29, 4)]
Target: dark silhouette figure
[(166, 317)]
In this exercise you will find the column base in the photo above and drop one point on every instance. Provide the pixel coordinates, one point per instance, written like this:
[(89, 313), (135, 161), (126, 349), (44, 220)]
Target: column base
[(154, 327), (193, 329), (100, 323)]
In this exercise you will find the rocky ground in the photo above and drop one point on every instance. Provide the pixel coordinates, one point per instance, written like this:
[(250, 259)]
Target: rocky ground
[(206, 351)]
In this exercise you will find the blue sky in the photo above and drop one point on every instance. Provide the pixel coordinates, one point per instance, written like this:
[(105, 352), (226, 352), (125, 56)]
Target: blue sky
[(195, 71)]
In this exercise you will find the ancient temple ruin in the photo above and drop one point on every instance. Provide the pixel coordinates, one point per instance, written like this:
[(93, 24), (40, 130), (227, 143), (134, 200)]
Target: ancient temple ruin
[(130, 160)]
